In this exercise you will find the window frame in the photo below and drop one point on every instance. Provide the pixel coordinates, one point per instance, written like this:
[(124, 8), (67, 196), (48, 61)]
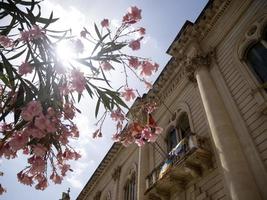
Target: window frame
[(130, 187), (252, 34), (176, 127)]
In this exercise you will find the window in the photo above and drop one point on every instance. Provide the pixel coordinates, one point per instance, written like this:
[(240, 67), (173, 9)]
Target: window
[(108, 196), (177, 134), (257, 59), (130, 188)]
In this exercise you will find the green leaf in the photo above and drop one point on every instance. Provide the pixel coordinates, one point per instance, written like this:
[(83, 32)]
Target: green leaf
[(97, 32), (116, 96), (19, 103), (79, 97), (97, 107), (105, 99), (104, 76), (90, 92), (100, 42), (113, 47), (87, 64), (46, 21), (8, 68), (17, 55)]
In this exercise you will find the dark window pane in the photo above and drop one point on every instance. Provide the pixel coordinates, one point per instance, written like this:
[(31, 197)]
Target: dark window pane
[(183, 126), (172, 139), (257, 58)]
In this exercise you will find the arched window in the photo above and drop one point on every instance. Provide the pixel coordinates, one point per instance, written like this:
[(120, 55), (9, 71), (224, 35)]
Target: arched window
[(108, 196), (130, 188), (257, 58), (176, 134)]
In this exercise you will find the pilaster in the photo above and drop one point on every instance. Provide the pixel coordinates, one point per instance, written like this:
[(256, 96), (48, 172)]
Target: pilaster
[(237, 175)]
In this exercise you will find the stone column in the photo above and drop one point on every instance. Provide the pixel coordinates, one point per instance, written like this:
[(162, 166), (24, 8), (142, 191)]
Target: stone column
[(237, 175), (143, 171)]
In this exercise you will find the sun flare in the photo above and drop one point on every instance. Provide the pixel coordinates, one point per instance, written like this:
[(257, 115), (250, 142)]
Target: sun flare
[(64, 51)]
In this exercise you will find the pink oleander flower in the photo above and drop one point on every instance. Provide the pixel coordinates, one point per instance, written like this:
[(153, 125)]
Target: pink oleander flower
[(64, 169), (64, 89), (78, 81), (40, 122), (32, 109), (25, 36), (7, 152), (56, 178), (25, 68), (133, 15), (34, 132), (83, 34), (105, 23), (140, 142), (74, 131), (2, 190), (69, 111), (6, 41), (68, 154), (77, 155), (38, 164), (106, 66), (5, 127), (117, 115), (51, 112), (25, 178), (135, 44), (26, 150), (148, 68), (63, 138), (142, 31), (18, 141), (42, 184), (148, 85), (128, 94), (134, 62), (39, 150), (36, 32), (116, 137)]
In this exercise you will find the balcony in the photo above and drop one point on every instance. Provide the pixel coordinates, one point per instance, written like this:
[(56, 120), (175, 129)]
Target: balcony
[(187, 161)]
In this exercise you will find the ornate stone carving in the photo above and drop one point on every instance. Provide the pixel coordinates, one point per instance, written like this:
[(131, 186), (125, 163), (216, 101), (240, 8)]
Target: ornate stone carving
[(192, 64), (116, 173)]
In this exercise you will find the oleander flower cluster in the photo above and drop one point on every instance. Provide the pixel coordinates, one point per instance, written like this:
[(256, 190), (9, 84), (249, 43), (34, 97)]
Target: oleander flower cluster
[(39, 91)]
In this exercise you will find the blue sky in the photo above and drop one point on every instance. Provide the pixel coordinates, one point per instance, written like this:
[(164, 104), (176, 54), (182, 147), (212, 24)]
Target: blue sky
[(162, 20)]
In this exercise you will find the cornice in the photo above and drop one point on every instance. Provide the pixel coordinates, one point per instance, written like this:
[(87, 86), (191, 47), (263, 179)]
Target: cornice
[(176, 69), (115, 148)]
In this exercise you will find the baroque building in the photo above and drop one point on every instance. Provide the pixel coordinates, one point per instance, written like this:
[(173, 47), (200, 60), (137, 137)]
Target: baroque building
[(212, 100)]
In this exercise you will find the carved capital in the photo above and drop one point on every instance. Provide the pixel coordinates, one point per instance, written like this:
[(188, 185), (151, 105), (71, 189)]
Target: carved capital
[(192, 64)]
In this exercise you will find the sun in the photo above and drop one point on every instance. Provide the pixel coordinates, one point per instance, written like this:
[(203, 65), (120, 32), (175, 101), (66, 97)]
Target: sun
[(65, 51)]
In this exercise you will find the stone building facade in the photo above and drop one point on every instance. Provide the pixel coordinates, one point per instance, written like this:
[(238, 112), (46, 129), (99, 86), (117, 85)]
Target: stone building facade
[(213, 108)]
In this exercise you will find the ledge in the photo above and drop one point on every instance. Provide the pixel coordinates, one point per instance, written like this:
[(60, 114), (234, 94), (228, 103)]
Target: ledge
[(175, 173)]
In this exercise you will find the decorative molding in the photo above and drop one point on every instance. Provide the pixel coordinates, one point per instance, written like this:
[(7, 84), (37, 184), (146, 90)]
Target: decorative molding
[(116, 173), (192, 64), (253, 35), (116, 147), (173, 73)]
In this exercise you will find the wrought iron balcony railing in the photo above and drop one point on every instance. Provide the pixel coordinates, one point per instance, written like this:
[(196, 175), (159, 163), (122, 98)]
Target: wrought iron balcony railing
[(186, 161)]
